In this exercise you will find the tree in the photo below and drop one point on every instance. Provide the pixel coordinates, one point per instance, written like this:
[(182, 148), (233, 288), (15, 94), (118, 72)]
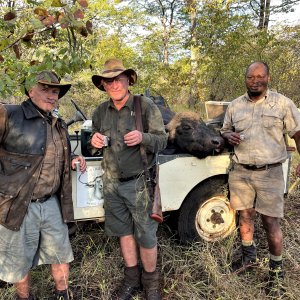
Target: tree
[(41, 35)]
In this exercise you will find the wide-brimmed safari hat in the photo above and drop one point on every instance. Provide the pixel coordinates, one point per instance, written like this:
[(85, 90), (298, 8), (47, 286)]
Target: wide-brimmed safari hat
[(112, 68), (50, 78)]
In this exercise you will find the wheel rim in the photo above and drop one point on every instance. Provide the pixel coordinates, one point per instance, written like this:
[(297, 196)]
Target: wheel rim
[(215, 219)]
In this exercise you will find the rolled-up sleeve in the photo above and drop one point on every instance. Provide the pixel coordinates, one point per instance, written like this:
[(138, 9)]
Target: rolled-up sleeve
[(292, 118), (227, 123), (155, 139)]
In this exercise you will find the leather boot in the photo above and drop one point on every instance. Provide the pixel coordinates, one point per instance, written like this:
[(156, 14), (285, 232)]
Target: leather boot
[(150, 282), (275, 287), (248, 260), (63, 295), (130, 285)]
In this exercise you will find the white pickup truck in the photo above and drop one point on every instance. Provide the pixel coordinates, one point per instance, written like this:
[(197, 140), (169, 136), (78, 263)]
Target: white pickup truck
[(194, 188)]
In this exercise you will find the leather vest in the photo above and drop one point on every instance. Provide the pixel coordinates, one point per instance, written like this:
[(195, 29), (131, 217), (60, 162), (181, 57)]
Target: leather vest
[(22, 148)]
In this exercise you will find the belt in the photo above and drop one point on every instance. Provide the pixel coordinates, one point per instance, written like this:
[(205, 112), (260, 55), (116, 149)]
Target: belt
[(130, 178), (41, 200), (260, 168), (136, 176)]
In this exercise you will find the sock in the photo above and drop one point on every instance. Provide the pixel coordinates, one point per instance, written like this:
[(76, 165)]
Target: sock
[(247, 243), (275, 258)]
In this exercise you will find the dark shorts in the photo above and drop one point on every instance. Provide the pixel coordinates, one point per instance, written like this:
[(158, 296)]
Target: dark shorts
[(262, 190), (42, 239), (127, 211)]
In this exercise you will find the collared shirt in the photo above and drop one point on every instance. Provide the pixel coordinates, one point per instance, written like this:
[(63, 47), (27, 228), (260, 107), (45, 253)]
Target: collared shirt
[(52, 165), (263, 124), (120, 160)]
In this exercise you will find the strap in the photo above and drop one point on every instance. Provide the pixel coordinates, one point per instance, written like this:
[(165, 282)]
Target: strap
[(139, 126)]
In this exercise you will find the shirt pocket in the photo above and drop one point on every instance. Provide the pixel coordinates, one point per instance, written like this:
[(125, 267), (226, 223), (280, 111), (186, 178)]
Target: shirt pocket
[(12, 166), (271, 119), (240, 122)]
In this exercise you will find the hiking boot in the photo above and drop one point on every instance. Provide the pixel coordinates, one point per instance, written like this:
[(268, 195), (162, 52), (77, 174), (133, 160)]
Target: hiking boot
[(63, 295), (275, 287), (248, 260), (150, 282), (130, 285)]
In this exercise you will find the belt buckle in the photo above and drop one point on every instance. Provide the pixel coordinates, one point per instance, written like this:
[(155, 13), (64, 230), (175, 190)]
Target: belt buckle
[(40, 200)]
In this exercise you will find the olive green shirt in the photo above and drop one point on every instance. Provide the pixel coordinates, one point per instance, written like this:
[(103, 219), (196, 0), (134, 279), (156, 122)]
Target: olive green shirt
[(120, 160), (263, 124)]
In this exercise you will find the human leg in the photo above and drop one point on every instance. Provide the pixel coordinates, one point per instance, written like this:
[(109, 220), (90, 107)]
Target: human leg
[(23, 287), (17, 251), (129, 250), (149, 258), (249, 254), (127, 214), (131, 283), (150, 276), (274, 234), (246, 222), (60, 274)]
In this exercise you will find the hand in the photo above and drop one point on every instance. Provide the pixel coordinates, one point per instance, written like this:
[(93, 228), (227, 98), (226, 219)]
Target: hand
[(82, 163), (233, 138), (133, 138), (97, 140)]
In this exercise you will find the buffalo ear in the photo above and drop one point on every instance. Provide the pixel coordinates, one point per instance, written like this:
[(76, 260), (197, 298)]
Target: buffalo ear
[(171, 130)]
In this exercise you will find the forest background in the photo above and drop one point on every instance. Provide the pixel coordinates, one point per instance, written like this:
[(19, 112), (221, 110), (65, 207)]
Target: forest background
[(187, 51)]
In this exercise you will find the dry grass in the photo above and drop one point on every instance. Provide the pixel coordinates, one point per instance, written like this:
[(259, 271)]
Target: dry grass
[(198, 271)]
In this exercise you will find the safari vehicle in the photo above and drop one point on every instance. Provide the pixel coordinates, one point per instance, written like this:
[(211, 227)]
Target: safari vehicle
[(196, 189)]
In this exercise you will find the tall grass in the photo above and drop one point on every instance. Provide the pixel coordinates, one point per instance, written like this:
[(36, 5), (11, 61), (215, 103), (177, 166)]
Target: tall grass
[(197, 271)]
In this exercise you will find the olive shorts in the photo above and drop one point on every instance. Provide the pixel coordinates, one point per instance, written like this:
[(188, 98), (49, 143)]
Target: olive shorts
[(262, 190), (127, 211), (42, 239)]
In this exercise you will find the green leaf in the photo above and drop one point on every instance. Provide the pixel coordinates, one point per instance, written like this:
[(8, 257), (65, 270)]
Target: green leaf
[(37, 24), (3, 44)]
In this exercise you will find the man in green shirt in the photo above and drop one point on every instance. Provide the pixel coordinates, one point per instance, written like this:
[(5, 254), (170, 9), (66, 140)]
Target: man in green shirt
[(127, 204)]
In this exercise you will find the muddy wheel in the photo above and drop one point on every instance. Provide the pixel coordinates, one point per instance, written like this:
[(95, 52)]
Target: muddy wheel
[(206, 213)]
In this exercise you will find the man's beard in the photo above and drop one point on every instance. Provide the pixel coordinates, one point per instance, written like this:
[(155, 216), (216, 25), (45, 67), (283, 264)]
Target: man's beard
[(255, 93)]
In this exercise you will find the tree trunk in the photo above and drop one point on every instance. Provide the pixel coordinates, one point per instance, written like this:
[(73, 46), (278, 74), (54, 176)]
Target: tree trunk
[(192, 8), (264, 14)]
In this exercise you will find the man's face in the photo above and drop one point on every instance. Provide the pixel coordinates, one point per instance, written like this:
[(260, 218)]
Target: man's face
[(44, 96), (257, 80), (117, 87)]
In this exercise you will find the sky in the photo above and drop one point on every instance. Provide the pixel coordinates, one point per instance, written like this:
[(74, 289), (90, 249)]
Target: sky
[(292, 18)]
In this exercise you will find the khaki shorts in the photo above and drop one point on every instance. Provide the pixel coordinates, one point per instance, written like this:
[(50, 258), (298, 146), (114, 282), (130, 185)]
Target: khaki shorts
[(262, 190), (42, 239), (127, 209)]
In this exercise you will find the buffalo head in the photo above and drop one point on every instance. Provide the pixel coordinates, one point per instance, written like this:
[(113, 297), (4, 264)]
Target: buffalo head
[(189, 134)]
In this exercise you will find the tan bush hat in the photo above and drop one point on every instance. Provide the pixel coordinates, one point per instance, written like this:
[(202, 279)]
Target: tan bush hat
[(112, 68), (50, 78)]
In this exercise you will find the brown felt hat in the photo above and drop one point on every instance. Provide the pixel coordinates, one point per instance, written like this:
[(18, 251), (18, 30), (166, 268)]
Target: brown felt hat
[(50, 78), (112, 68)]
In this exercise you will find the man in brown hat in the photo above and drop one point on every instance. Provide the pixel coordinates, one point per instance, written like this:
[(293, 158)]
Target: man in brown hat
[(127, 205), (35, 185)]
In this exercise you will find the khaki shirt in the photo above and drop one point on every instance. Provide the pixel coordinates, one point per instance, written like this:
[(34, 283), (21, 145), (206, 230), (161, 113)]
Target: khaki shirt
[(119, 160), (263, 124), (52, 166)]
